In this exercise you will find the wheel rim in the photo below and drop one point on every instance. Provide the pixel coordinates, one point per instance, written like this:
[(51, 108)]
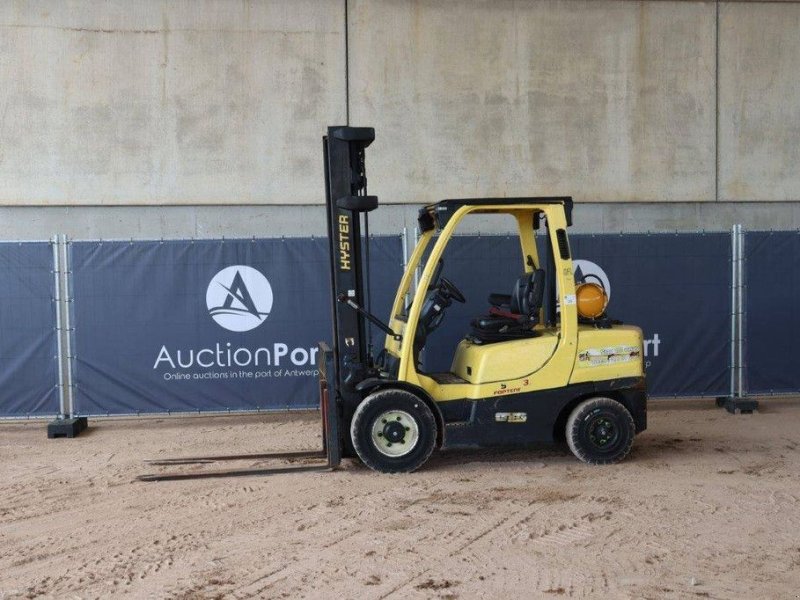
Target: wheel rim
[(395, 433), (603, 432)]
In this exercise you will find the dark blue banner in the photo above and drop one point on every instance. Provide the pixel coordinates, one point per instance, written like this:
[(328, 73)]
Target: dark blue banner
[(676, 287), (772, 323), (207, 325), (179, 326), (28, 336)]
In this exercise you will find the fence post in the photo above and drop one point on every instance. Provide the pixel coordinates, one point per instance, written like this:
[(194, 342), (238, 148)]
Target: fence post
[(66, 425), (734, 274), (62, 407), (737, 402), (69, 329), (741, 391)]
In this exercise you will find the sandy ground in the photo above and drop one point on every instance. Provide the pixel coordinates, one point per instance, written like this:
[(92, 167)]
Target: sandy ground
[(707, 506)]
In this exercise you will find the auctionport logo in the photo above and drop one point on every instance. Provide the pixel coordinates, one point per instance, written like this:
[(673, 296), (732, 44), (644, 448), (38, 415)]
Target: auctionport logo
[(239, 298)]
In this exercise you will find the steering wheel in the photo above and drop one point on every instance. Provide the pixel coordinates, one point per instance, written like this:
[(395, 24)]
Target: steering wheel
[(449, 289), (437, 299)]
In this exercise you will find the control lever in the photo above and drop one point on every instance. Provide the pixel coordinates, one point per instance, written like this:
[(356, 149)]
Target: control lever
[(373, 319)]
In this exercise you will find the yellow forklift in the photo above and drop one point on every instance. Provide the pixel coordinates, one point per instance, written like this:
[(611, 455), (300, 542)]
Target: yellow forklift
[(542, 363)]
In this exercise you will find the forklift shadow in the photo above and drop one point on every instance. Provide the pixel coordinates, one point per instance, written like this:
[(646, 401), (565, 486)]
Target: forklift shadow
[(532, 454), (647, 448), (658, 447)]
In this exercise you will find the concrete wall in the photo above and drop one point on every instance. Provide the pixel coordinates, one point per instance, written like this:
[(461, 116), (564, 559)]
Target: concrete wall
[(759, 112), (606, 101), (162, 102), (111, 110)]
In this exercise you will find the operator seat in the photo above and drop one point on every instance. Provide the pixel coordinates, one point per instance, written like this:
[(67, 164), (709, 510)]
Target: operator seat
[(516, 319)]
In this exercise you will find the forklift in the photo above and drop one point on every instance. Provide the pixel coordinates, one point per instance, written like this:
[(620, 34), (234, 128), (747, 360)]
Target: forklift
[(544, 362)]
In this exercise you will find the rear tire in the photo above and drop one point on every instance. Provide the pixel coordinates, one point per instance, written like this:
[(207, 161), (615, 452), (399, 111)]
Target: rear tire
[(393, 431), (600, 431)]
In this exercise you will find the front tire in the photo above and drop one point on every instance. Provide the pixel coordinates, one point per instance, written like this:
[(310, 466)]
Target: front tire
[(393, 431), (600, 431)]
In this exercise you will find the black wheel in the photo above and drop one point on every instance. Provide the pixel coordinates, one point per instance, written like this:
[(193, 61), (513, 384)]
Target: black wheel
[(393, 431), (600, 431)]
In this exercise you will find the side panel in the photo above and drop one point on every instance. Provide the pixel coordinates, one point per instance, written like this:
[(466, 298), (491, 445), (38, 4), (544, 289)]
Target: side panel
[(470, 423), (485, 363), (608, 353)]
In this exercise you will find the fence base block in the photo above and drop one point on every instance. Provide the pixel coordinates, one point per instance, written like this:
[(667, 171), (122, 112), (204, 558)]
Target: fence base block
[(743, 406), (66, 428)]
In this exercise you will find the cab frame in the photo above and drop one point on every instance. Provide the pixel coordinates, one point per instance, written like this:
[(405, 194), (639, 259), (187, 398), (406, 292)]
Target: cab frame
[(528, 214)]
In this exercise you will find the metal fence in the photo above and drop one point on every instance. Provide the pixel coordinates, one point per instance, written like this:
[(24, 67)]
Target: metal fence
[(205, 325), (768, 319), (97, 327), (30, 328)]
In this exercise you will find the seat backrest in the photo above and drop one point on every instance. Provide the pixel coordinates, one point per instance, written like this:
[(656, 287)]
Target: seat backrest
[(536, 296), (528, 293)]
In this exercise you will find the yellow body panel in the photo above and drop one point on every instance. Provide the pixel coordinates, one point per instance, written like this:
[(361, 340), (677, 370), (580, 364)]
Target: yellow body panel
[(486, 363), (608, 353)]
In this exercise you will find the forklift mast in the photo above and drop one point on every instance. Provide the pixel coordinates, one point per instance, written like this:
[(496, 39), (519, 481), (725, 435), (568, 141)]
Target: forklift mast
[(346, 199)]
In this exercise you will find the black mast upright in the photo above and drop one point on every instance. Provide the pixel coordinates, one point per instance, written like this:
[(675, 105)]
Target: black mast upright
[(345, 196)]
